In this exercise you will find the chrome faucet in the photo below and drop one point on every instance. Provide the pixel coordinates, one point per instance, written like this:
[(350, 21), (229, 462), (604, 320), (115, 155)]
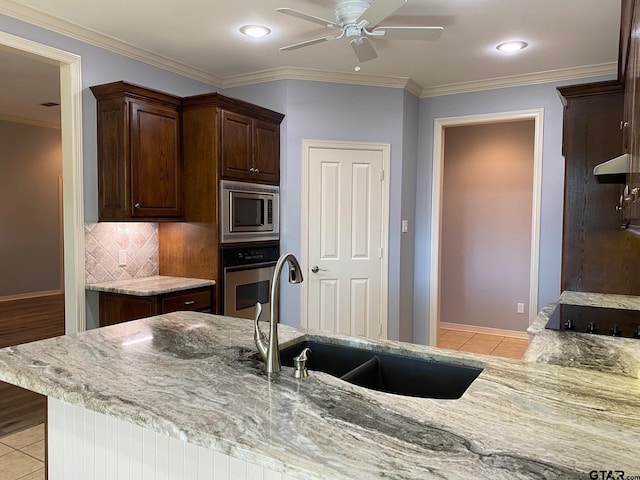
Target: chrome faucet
[(268, 349)]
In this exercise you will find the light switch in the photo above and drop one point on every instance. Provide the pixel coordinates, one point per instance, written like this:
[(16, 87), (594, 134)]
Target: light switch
[(122, 258), (405, 226)]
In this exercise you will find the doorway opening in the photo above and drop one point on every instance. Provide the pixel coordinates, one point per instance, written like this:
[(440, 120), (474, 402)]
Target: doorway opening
[(38, 310), (526, 306), (72, 192)]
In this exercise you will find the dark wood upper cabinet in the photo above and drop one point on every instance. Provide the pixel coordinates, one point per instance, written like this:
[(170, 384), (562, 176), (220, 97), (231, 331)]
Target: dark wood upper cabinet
[(139, 154), (247, 137), (250, 148)]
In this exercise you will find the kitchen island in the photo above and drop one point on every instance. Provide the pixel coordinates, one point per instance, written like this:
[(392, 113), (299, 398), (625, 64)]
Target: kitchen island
[(182, 396)]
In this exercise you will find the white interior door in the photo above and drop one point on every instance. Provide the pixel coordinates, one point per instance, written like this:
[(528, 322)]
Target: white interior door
[(346, 238)]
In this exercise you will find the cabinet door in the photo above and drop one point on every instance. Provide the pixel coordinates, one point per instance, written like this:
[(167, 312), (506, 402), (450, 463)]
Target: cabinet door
[(235, 146), (113, 166), (117, 308), (266, 152), (156, 170)]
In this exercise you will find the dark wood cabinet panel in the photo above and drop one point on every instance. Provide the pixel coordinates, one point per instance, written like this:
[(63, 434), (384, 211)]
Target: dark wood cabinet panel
[(156, 171), (139, 154), (597, 255), (236, 145), (250, 148), (266, 151), (118, 308)]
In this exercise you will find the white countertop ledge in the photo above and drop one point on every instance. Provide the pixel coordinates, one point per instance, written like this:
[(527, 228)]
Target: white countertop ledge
[(148, 286)]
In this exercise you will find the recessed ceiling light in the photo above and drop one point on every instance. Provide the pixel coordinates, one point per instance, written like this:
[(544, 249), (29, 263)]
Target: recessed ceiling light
[(509, 47), (255, 31)]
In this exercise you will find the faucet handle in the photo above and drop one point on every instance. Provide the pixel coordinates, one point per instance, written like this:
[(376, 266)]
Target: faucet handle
[(258, 336)]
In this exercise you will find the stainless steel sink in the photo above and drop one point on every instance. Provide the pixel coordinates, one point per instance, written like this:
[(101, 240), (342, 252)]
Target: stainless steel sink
[(386, 372)]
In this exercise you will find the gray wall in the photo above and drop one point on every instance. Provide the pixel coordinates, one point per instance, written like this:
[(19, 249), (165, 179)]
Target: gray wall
[(30, 164), (494, 101)]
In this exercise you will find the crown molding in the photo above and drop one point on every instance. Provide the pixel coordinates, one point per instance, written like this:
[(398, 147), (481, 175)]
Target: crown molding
[(28, 121), (521, 80), (92, 37), (58, 25), (292, 73)]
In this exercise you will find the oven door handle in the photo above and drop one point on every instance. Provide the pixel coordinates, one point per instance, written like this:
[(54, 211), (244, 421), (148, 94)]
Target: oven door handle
[(249, 266)]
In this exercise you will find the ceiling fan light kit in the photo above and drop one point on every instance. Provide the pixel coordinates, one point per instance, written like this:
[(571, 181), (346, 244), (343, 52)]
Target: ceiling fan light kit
[(358, 20)]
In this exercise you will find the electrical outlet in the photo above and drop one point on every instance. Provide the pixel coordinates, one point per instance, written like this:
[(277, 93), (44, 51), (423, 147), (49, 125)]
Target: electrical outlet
[(122, 258), (520, 308)]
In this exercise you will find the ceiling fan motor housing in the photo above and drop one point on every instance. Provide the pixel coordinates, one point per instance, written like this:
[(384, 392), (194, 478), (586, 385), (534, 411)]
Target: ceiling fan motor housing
[(347, 14)]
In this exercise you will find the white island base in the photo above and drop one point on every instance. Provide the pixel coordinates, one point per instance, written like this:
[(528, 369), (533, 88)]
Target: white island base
[(86, 445)]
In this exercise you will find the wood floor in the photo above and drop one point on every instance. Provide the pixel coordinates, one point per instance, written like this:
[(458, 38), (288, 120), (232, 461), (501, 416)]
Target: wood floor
[(19, 409), (26, 320)]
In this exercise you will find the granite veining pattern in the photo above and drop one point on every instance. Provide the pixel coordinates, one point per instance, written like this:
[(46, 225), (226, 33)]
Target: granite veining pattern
[(581, 350), (147, 286), (195, 377)]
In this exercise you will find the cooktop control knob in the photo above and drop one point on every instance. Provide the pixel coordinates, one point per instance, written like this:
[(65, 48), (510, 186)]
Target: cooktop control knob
[(592, 328), (636, 334), (615, 331), (569, 325)]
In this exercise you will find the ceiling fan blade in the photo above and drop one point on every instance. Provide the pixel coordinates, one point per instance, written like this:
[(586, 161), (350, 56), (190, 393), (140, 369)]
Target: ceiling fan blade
[(309, 18), (379, 10), (306, 43), (409, 33), (363, 50)]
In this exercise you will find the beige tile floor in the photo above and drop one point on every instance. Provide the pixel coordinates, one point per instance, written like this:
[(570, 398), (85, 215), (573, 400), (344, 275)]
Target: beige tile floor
[(22, 455), (482, 343)]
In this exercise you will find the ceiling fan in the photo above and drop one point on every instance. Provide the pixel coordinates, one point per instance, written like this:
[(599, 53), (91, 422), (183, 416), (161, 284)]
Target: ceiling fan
[(358, 21)]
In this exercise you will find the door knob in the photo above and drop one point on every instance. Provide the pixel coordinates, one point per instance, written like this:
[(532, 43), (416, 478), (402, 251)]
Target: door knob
[(316, 269)]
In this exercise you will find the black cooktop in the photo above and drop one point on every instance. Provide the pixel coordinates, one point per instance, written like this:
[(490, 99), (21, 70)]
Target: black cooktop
[(615, 322)]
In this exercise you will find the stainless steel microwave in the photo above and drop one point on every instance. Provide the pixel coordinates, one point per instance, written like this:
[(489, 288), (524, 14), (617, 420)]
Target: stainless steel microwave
[(249, 212)]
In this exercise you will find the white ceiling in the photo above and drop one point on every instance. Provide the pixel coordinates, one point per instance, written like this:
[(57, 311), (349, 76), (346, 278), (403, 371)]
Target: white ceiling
[(201, 38)]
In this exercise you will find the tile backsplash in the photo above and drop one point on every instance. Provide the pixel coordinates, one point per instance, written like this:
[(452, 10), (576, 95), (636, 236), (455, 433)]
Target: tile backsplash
[(105, 240)]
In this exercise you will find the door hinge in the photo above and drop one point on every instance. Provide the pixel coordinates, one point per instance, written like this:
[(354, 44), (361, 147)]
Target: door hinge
[(379, 330), (380, 252), (381, 175)]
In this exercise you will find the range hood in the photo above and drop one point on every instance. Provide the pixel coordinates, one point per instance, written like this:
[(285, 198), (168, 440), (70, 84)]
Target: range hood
[(613, 171)]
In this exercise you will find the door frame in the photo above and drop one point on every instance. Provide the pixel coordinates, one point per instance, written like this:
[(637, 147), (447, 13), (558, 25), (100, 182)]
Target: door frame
[(72, 191), (385, 148), (537, 115)]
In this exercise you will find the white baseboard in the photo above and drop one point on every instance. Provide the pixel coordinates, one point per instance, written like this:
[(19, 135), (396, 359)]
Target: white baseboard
[(461, 327)]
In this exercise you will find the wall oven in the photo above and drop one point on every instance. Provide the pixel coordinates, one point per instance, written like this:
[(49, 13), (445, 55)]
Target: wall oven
[(249, 212), (247, 273)]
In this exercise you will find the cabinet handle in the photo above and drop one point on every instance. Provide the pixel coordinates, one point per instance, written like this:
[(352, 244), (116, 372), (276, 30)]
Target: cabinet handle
[(189, 302), (256, 170), (137, 205), (252, 169), (623, 124)]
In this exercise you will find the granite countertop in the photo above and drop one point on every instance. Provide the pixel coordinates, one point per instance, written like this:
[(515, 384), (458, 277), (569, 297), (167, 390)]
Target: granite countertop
[(581, 350), (194, 376), (148, 286)]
